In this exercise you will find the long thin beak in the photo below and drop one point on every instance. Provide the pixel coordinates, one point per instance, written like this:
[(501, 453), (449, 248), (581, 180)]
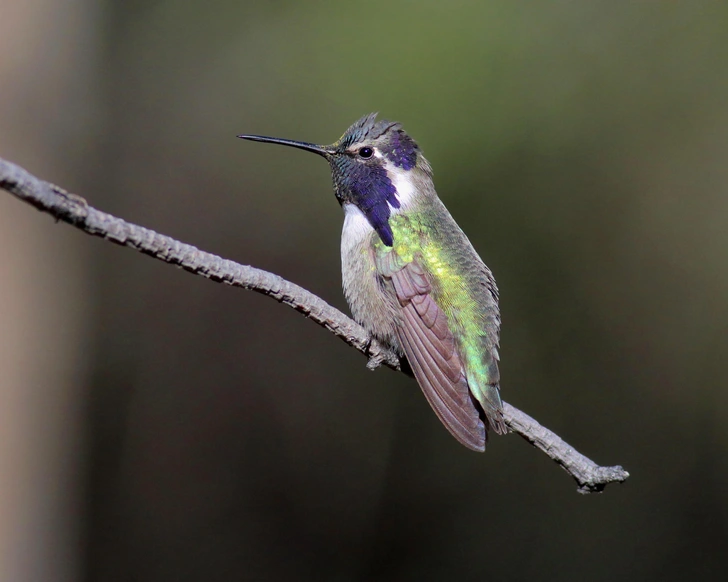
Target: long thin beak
[(302, 145)]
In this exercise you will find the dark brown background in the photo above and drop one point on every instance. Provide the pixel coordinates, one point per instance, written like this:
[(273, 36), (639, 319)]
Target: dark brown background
[(156, 426)]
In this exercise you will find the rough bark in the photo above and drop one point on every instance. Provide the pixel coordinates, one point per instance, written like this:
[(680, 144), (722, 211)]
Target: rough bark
[(74, 210)]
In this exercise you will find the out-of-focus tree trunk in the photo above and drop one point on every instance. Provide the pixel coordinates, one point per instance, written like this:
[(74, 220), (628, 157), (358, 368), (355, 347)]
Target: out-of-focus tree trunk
[(44, 71)]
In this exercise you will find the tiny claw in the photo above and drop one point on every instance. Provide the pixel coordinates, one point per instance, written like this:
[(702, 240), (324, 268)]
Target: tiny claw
[(375, 361)]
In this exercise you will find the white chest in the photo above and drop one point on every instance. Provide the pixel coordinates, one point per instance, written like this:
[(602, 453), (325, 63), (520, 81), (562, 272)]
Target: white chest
[(356, 232), (368, 303)]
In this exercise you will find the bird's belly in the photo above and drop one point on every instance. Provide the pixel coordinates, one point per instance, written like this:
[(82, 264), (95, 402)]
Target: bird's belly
[(371, 306)]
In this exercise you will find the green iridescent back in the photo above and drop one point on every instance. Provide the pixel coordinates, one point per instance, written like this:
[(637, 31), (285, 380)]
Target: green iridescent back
[(462, 287)]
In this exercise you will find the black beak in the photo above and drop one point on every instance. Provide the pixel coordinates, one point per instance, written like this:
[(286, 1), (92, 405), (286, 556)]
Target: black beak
[(301, 145)]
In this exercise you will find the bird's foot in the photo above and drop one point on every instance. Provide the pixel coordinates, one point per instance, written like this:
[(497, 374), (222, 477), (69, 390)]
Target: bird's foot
[(376, 359)]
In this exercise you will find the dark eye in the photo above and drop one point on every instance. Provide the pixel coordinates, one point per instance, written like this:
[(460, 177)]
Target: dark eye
[(366, 153)]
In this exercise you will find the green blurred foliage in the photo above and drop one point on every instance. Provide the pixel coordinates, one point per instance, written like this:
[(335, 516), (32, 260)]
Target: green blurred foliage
[(582, 147)]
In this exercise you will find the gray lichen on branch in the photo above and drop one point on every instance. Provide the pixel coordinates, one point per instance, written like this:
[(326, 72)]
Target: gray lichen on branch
[(74, 210)]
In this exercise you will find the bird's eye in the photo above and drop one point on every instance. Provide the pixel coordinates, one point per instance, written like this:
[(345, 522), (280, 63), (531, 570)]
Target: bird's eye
[(366, 153)]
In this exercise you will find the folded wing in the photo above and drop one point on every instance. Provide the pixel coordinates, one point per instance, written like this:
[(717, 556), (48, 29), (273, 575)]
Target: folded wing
[(431, 351)]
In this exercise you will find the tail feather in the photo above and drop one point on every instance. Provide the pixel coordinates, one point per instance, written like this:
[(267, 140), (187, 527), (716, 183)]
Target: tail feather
[(491, 409)]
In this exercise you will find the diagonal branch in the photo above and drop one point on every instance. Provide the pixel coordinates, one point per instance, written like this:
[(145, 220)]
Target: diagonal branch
[(74, 210)]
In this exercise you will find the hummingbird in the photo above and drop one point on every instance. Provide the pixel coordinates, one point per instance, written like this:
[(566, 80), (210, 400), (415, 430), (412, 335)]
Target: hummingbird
[(411, 277)]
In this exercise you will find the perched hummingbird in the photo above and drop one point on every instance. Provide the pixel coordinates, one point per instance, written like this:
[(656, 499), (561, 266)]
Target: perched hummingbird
[(411, 277)]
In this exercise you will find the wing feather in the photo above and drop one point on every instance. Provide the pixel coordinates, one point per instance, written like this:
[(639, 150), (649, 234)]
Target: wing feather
[(444, 396), (429, 346)]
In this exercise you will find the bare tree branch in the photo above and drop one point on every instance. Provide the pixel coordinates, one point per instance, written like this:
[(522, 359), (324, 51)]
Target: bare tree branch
[(74, 210)]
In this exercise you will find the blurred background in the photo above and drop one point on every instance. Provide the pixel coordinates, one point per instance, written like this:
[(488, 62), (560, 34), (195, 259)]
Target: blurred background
[(157, 426)]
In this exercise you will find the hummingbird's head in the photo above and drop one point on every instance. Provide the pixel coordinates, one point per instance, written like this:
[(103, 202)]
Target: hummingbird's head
[(376, 168)]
